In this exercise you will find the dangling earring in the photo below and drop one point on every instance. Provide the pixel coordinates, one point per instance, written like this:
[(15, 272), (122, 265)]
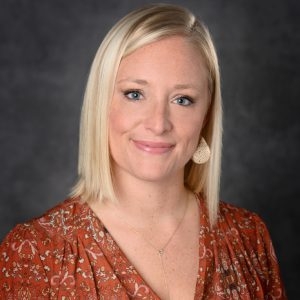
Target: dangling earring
[(202, 154)]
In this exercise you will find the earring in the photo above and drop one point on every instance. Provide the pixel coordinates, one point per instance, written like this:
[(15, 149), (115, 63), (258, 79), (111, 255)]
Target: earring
[(202, 153)]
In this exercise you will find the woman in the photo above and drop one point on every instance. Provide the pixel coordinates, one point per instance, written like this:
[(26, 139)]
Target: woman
[(144, 220)]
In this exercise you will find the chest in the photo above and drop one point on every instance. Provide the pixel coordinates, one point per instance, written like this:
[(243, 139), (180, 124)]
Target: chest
[(170, 268)]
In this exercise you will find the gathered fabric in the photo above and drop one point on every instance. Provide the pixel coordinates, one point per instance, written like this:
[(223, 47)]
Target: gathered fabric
[(69, 254)]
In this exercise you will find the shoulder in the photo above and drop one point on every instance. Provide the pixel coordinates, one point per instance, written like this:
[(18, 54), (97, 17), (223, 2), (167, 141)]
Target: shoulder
[(239, 226), (247, 224), (247, 235), (232, 214), (41, 237), (64, 223), (25, 240), (33, 254), (242, 240)]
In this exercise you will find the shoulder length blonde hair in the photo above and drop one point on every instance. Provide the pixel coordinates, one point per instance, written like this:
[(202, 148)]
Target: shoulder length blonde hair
[(141, 27)]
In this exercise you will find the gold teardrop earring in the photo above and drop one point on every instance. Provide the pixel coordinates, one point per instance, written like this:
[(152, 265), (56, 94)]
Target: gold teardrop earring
[(202, 153)]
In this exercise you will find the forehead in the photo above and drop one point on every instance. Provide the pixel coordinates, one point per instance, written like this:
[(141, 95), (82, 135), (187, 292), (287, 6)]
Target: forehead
[(174, 57)]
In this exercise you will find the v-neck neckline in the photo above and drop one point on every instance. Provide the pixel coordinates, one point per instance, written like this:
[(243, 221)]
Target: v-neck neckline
[(119, 256)]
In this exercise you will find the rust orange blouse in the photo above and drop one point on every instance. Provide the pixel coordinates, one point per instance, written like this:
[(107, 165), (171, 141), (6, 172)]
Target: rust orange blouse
[(69, 254)]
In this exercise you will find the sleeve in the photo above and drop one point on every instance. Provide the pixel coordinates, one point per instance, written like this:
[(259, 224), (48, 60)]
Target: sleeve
[(22, 272), (268, 262)]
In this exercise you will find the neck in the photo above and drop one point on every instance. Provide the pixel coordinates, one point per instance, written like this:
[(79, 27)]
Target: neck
[(151, 201)]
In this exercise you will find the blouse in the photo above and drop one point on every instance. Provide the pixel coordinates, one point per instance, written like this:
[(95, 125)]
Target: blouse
[(69, 254)]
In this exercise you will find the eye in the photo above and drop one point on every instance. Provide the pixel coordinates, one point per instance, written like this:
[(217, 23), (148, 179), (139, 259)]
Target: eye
[(133, 95), (184, 101)]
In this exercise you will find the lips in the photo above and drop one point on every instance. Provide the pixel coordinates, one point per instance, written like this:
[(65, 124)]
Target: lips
[(153, 147)]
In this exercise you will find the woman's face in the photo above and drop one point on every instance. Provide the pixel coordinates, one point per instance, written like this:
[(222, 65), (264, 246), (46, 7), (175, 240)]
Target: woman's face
[(159, 104)]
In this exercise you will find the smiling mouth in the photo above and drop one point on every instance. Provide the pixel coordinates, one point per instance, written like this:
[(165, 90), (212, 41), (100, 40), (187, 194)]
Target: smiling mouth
[(153, 147)]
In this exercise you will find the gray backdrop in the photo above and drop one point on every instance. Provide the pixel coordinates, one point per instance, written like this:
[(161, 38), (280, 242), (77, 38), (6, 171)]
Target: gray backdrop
[(46, 48)]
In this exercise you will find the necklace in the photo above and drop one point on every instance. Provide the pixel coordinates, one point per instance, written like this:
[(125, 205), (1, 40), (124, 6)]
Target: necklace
[(160, 251)]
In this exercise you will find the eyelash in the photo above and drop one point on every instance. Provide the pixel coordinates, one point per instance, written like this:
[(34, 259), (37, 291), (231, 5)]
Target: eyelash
[(139, 94), (185, 98), (128, 92)]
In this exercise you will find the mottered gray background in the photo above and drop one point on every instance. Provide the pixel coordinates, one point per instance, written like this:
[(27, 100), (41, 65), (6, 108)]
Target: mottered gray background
[(46, 48)]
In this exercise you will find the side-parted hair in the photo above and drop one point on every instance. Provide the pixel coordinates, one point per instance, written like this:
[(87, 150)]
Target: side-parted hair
[(137, 29)]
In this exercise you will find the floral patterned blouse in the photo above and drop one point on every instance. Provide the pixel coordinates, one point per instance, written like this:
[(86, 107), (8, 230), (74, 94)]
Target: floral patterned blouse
[(68, 254)]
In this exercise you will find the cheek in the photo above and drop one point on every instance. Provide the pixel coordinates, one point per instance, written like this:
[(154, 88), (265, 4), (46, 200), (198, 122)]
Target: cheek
[(117, 122), (116, 129), (115, 132), (194, 137), (193, 130)]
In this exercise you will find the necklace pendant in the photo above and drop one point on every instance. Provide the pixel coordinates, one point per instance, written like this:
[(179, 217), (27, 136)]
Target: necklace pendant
[(161, 252)]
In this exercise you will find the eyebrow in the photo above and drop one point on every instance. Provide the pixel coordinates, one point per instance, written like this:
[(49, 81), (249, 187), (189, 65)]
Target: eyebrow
[(145, 82), (186, 86), (139, 81)]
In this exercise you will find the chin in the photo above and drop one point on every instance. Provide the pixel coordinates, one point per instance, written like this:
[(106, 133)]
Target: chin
[(154, 175)]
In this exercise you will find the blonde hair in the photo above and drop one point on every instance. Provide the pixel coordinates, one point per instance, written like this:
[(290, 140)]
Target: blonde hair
[(137, 29)]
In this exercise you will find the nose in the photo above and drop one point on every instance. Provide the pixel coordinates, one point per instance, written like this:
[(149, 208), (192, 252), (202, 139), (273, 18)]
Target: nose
[(157, 119)]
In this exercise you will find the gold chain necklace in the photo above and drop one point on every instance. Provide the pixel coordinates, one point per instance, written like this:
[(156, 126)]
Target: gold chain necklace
[(160, 251)]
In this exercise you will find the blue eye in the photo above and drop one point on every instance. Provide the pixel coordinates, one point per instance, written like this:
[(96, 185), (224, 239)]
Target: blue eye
[(184, 101), (133, 95)]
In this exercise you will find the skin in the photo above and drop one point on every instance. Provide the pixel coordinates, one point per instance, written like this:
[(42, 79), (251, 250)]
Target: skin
[(154, 127), (159, 104)]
